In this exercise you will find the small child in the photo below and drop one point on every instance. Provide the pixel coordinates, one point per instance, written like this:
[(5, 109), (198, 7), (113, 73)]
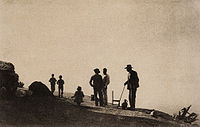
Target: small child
[(78, 96), (124, 104)]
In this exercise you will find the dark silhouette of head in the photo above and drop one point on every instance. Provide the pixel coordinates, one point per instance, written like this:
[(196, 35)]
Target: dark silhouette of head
[(104, 71), (60, 76), (128, 67), (96, 71), (52, 75), (125, 101), (79, 88)]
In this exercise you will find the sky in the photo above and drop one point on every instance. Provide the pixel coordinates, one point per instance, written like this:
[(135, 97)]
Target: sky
[(159, 38)]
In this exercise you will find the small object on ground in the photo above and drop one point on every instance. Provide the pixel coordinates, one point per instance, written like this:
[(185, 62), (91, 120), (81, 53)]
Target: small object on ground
[(152, 113), (124, 104), (114, 100), (92, 97), (185, 116)]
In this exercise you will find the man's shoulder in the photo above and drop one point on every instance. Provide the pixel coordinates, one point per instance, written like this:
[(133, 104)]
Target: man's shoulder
[(108, 75), (96, 76), (92, 76), (60, 80), (133, 72)]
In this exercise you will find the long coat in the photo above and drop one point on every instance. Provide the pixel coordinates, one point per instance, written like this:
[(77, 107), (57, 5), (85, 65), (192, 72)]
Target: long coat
[(133, 80)]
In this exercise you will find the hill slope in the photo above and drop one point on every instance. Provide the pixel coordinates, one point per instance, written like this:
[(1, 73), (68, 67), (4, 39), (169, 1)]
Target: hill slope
[(55, 112)]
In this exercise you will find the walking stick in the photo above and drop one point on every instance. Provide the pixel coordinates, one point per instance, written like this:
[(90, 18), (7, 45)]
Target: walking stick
[(121, 96)]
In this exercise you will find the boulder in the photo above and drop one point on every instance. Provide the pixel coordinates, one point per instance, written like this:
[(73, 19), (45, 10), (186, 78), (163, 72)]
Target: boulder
[(6, 66), (39, 89), (8, 79)]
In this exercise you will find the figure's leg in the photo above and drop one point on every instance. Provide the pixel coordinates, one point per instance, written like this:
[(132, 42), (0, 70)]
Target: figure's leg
[(134, 97), (53, 89), (131, 98), (106, 97), (95, 97), (100, 97), (58, 91), (103, 94), (61, 91)]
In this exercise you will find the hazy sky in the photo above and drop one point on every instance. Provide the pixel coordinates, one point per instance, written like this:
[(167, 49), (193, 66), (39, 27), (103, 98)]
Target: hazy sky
[(160, 38)]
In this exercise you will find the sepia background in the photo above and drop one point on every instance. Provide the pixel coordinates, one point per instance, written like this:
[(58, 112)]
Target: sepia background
[(160, 38)]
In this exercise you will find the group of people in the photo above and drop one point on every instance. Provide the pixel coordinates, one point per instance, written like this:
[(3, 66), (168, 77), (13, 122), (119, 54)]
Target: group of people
[(100, 85), (60, 84)]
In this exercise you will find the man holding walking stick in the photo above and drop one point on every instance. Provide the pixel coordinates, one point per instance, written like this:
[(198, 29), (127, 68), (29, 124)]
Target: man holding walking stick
[(132, 85)]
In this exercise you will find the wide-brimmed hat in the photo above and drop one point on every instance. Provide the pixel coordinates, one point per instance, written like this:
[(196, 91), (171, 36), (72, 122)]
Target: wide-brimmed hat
[(128, 66), (96, 70)]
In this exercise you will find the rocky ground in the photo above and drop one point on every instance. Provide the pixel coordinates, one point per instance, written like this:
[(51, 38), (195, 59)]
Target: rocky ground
[(56, 112)]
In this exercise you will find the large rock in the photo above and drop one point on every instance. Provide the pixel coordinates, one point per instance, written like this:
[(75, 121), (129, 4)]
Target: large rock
[(6, 66), (8, 79), (39, 89)]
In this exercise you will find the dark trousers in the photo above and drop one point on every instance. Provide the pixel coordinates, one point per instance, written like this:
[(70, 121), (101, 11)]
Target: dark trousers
[(60, 91), (105, 97), (132, 96), (52, 88), (98, 91)]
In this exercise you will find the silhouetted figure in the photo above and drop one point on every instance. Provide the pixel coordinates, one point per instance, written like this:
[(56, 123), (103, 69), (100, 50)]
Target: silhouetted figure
[(106, 81), (52, 81), (97, 83), (132, 85), (60, 83), (78, 96), (124, 104)]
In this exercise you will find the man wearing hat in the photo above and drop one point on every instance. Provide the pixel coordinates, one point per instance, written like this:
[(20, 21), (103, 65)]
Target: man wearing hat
[(97, 83), (132, 85)]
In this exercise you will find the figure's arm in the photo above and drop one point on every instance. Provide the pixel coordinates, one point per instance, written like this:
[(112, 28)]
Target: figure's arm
[(90, 82), (126, 83), (108, 80), (74, 95)]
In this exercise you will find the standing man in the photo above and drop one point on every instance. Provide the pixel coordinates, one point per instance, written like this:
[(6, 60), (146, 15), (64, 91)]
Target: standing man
[(106, 81), (132, 85), (52, 81), (60, 83), (97, 83)]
